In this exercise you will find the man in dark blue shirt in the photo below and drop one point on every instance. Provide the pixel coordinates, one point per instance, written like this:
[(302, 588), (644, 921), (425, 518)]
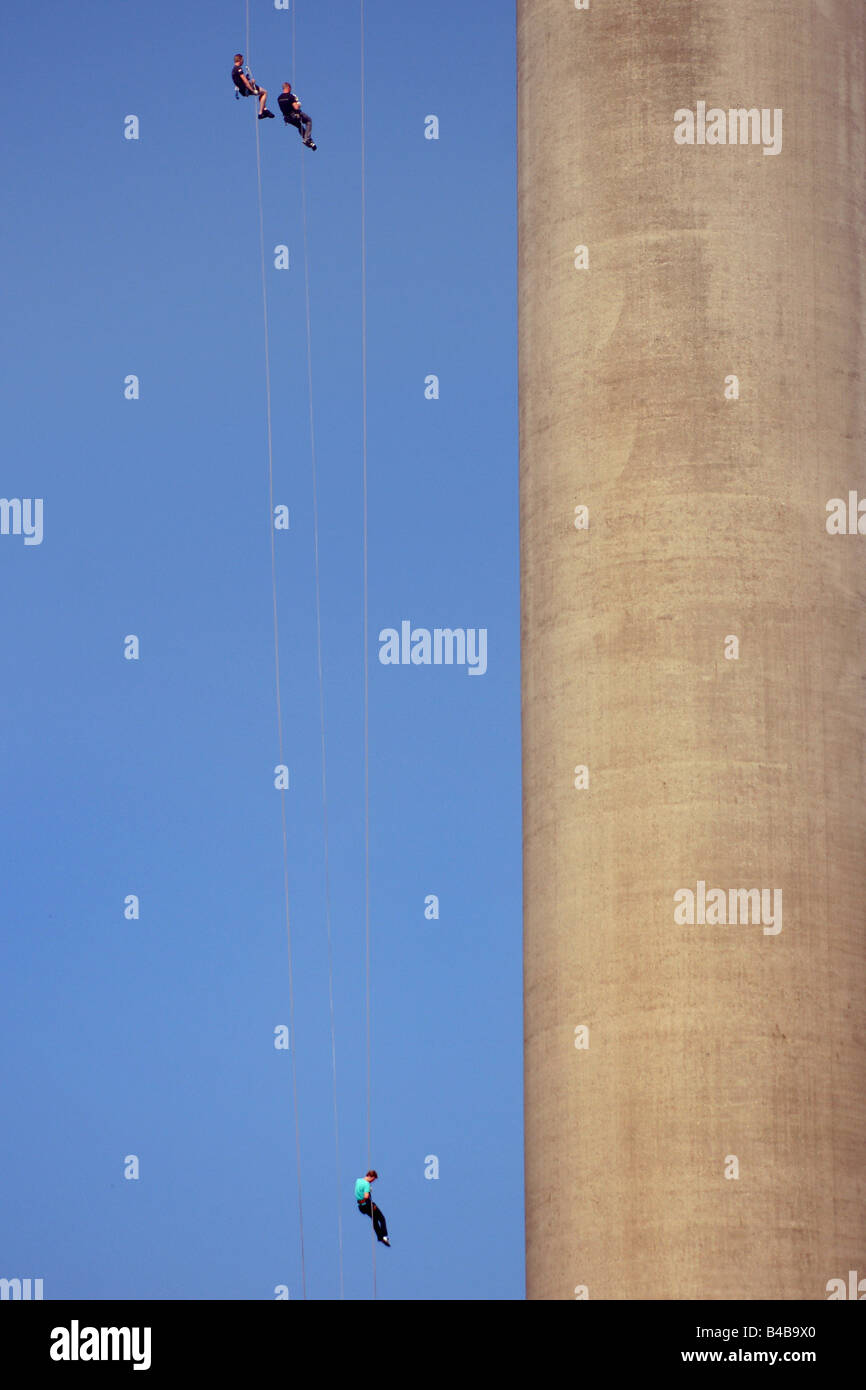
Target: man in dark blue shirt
[(247, 87), (290, 105)]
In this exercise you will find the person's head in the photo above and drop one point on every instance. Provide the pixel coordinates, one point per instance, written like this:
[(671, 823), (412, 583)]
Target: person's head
[(287, 87), (372, 1175), (239, 57)]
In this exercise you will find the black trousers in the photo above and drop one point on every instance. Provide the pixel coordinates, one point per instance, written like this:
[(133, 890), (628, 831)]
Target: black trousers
[(378, 1219), (302, 123)]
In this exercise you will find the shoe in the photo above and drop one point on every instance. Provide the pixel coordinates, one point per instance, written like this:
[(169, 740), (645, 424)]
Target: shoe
[(266, 115), (385, 1241), (310, 146)]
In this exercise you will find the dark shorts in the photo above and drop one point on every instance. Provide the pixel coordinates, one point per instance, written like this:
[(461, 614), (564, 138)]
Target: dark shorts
[(245, 92)]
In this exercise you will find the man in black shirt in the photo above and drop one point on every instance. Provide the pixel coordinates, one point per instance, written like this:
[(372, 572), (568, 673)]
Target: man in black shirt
[(290, 105), (247, 87)]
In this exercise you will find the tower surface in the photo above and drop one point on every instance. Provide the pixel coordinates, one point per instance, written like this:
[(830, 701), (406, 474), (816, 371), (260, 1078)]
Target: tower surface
[(692, 289)]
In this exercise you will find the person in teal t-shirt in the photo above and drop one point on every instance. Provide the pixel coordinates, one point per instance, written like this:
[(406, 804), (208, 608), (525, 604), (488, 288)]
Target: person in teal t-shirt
[(367, 1207)]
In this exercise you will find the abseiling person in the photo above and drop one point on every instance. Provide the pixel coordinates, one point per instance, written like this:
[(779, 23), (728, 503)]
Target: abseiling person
[(248, 88), (290, 105), (367, 1207)]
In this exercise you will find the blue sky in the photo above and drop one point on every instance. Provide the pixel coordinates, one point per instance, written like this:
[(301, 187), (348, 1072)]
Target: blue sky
[(155, 777)]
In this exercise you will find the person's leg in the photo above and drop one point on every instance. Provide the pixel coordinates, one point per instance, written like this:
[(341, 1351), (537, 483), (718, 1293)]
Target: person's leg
[(307, 127), (364, 1207), (379, 1224), (263, 96)]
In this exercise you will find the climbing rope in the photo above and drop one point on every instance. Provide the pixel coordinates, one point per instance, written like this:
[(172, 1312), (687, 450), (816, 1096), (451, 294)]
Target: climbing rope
[(367, 933), (322, 726), (292, 1049), (321, 695)]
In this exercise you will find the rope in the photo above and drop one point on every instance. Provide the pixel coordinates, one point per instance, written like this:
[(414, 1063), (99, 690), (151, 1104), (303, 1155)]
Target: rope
[(367, 915), (366, 605), (321, 697), (277, 679)]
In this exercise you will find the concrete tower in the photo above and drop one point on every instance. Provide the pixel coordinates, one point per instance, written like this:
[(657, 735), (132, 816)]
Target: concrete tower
[(692, 291)]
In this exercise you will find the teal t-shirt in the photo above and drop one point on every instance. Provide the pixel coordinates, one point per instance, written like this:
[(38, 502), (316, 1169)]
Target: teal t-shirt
[(362, 1190)]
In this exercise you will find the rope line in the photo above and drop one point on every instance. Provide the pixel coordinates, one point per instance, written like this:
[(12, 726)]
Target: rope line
[(366, 604), (321, 695), (277, 677), (319, 659)]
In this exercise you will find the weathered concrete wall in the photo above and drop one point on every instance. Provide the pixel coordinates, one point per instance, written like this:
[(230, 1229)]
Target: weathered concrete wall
[(707, 522)]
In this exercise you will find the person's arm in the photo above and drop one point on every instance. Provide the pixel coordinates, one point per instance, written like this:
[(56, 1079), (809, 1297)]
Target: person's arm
[(250, 84)]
